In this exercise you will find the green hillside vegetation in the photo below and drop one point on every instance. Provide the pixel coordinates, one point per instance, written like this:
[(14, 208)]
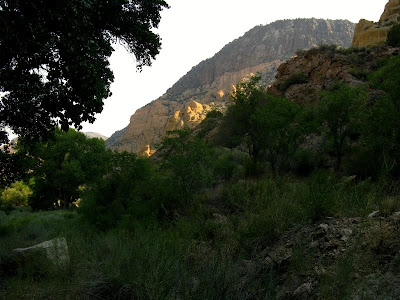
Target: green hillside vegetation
[(195, 221)]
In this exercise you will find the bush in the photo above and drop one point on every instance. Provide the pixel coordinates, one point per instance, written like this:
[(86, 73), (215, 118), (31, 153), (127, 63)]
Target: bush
[(298, 78), (209, 123), (188, 163), (393, 37), (125, 192), (17, 194), (301, 52), (230, 165)]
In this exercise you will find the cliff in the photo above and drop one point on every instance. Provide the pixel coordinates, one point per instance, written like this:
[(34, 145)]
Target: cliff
[(368, 33), (303, 78), (262, 49)]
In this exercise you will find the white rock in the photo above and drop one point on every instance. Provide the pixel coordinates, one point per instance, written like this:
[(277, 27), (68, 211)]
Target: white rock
[(56, 251)]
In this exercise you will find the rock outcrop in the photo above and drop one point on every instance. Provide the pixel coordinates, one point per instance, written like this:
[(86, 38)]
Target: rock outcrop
[(95, 135), (302, 78), (391, 12), (368, 33), (55, 251), (262, 49), (190, 116), (320, 247)]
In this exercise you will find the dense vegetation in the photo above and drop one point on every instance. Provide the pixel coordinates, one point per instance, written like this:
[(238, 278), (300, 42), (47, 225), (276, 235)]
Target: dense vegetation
[(181, 224)]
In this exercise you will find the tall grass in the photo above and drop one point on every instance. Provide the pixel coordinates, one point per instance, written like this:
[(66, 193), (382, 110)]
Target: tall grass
[(198, 255)]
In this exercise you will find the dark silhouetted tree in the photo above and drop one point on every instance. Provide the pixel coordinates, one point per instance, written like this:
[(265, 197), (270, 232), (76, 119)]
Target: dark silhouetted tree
[(54, 66), (340, 115), (66, 163)]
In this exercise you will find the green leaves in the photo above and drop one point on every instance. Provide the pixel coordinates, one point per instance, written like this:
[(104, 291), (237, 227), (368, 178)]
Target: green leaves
[(271, 127), (276, 128), (54, 64), (340, 112), (188, 161), (66, 163), (393, 36)]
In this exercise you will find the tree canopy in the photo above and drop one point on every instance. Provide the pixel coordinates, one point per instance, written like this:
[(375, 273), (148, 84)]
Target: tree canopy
[(54, 67), (66, 162), (340, 113)]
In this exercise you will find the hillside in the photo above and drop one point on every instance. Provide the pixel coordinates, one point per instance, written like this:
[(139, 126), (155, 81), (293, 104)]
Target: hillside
[(262, 49)]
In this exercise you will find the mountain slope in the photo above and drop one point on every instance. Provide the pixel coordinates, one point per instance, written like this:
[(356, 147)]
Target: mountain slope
[(262, 49)]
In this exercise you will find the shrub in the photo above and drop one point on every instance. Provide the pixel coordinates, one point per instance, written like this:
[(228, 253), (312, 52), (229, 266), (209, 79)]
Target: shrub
[(17, 194), (210, 122), (298, 78), (301, 52), (124, 192), (188, 163), (393, 37), (340, 113)]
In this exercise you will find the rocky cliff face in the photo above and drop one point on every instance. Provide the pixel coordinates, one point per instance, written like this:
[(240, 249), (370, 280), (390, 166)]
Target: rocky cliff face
[(368, 33), (262, 49), (303, 78)]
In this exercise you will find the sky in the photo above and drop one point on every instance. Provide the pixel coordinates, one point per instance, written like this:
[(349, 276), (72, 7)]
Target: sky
[(194, 30)]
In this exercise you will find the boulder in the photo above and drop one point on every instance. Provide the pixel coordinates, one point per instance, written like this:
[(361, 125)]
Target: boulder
[(55, 251)]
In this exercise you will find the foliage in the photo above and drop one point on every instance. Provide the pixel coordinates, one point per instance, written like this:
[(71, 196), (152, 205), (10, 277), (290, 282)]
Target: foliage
[(340, 113), (199, 256), (246, 97), (298, 78), (277, 130), (381, 130), (271, 128), (301, 52), (65, 164), (393, 36), (210, 122), (188, 162), (229, 165), (54, 65), (13, 167), (126, 191), (329, 49), (17, 194)]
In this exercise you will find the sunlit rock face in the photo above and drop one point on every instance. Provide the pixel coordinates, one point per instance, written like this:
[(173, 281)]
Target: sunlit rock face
[(190, 116), (262, 49), (391, 12), (368, 33)]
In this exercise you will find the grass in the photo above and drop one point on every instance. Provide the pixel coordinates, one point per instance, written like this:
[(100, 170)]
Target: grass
[(198, 255)]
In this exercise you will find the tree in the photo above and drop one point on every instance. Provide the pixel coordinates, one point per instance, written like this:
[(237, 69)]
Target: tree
[(246, 97), (125, 192), (339, 113), (393, 36), (54, 54), (188, 162), (65, 164), (13, 166), (382, 129), (276, 128), (17, 194), (270, 127)]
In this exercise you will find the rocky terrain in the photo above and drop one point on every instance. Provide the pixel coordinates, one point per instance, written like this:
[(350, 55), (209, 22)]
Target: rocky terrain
[(262, 49), (302, 78), (96, 135), (361, 254), (369, 33)]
